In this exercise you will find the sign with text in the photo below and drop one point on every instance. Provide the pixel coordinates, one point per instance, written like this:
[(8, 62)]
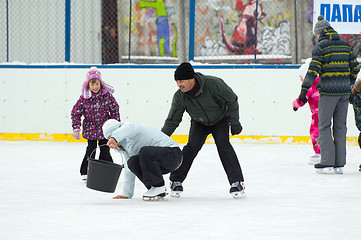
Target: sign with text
[(343, 15)]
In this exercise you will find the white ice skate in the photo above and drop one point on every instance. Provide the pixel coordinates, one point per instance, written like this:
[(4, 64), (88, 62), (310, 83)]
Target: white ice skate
[(237, 190), (315, 159), (176, 189), (325, 170), (155, 193), (338, 170), (84, 177)]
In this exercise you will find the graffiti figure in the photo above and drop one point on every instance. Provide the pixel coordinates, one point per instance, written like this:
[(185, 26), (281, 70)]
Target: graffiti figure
[(244, 37), (162, 24)]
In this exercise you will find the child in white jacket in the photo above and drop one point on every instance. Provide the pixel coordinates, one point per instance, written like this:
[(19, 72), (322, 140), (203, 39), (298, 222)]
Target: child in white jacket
[(151, 153)]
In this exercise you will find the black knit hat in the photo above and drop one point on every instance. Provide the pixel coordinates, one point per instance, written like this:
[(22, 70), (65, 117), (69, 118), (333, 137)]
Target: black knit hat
[(184, 71)]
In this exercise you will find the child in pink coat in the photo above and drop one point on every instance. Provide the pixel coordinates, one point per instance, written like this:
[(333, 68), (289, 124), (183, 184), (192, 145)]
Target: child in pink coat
[(312, 99), (96, 105)]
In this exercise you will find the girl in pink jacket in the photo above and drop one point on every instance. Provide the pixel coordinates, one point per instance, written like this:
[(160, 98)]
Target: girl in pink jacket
[(96, 105), (312, 99)]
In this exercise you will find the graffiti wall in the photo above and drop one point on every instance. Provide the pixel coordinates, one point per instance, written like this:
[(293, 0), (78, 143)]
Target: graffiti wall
[(276, 31), (153, 28), (232, 27)]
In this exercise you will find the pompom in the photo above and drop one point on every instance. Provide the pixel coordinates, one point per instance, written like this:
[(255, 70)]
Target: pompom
[(320, 18), (93, 69)]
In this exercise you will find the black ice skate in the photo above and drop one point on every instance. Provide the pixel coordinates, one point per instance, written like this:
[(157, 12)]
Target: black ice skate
[(155, 193), (176, 189), (237, 190)]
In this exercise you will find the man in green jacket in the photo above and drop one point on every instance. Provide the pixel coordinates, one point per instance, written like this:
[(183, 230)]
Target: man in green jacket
[(213, 107)]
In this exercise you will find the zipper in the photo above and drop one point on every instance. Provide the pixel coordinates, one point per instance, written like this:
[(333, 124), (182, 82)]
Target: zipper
[(203, 111)]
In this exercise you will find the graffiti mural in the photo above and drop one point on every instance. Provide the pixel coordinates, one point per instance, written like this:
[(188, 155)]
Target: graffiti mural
[(162, 24), (243, 24), (244, 34), (151, 28), (242, 40), (275, 35), (212, 48), (224, 30)]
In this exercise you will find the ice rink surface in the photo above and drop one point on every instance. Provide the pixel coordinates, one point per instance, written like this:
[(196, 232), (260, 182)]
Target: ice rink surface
[(42, 197)]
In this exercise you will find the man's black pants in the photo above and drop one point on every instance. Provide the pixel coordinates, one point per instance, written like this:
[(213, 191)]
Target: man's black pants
[(197, 137)]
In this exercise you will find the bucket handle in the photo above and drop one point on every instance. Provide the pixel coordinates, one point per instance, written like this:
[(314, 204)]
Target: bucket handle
[(107, 146)]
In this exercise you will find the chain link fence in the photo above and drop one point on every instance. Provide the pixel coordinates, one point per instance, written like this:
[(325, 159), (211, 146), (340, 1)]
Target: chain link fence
[(158, 31)]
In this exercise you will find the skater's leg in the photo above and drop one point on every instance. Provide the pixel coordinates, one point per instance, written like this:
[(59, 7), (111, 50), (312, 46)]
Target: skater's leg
[(314, 133), (340, 130), (228, 156), (197, 136), (326, 108), (135, 167), (156, 161), (92, 144), (104, 151)]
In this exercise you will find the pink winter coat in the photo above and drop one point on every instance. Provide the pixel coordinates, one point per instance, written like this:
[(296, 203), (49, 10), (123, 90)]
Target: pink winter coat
[(96, 110), (312, 98)]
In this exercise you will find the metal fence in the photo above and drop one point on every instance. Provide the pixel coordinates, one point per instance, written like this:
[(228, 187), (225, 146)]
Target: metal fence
[(157, 31)]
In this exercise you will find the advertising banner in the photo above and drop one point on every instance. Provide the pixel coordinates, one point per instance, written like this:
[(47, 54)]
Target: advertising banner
[(343, 15)]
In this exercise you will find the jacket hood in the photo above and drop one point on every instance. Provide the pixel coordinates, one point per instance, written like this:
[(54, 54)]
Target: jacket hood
[(87, 93), (330, 34)]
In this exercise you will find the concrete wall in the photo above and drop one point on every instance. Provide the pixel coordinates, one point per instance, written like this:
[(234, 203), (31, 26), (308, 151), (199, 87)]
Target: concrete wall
[(39, 100)]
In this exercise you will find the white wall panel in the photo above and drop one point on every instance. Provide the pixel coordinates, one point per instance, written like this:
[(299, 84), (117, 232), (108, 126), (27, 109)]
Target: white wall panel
[(40, 100)]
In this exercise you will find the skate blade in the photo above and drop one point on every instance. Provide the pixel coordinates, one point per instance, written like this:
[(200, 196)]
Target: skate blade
[(313, 162), (156, 198), (175, 194), (325, 171), (237, 195)]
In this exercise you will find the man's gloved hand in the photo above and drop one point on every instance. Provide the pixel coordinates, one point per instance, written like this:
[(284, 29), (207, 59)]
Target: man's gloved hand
[(295, 109), (236, 129), (302, 98), (359, 139), (76, 134)]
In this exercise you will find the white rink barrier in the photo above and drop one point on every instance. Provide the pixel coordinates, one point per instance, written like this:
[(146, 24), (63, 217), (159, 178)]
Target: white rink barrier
[(38, 99)]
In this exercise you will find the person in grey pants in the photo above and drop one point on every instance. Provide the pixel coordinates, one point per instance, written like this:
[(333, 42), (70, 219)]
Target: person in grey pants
[(333, 142), (336, 64)]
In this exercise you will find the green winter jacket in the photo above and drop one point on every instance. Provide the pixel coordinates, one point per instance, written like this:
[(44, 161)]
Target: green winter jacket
[(214, 101)]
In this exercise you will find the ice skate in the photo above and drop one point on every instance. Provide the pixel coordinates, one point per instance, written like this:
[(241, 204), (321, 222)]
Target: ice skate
[(237, 190), (360, 168), (338, 170), (315, 159), (176, 189), (322, 169), (155, 193), (84, 177)]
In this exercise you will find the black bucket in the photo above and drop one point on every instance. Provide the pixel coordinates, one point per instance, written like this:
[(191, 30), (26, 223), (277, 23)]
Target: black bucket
[(103, 175)]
